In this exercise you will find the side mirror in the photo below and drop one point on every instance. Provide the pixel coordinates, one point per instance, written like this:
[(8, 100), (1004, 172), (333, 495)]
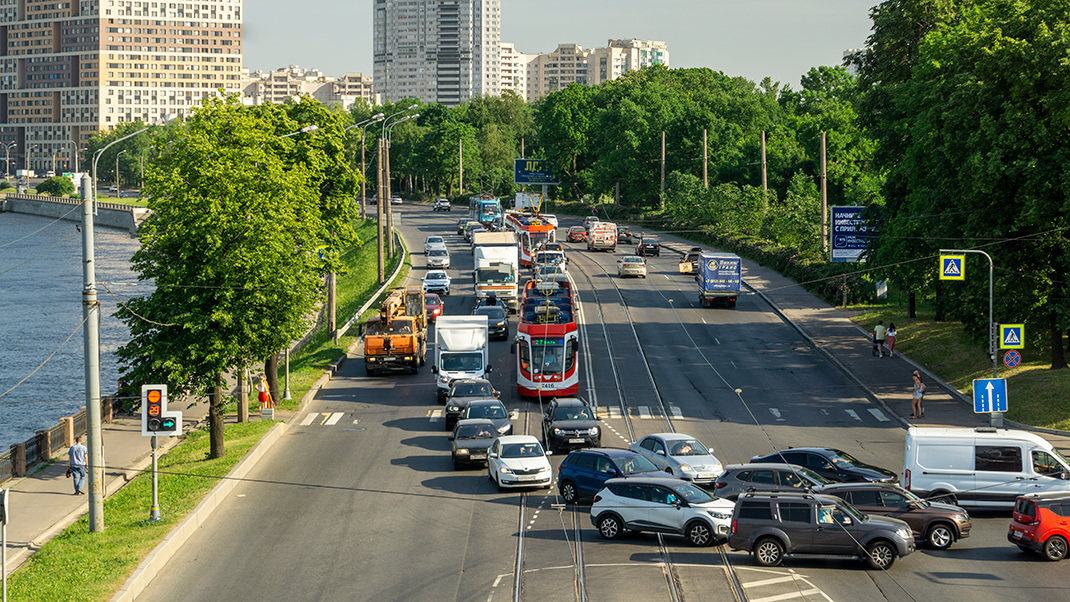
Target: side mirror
[(434, 369), (847, 520), (549, 452), (493, 455), (660, 452), (489, 369)]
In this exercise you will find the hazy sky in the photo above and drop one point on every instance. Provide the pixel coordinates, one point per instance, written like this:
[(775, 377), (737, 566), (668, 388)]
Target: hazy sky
[(781, 39)]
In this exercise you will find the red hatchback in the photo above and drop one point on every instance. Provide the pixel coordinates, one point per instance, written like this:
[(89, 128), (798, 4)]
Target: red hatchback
[(1041, 523), (434, 306), (577, 234)]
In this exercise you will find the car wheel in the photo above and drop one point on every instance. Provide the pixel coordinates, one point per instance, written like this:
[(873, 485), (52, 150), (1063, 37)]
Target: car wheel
[(940, 536), (699, 533), (569, 493), (1055, 548), (880, 555), (609, 527), (943, 497), (769, 552)]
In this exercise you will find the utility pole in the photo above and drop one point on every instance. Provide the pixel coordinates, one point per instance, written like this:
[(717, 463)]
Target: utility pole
[(332, 323), (824, 201), (705, 163), (662, 194), (765, 180), (521, 147), (379, 209), (91, 317), (460, 167), (363, 181), (389, 199)]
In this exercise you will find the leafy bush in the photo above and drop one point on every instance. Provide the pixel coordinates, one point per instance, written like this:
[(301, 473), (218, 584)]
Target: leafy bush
[(56, 186)]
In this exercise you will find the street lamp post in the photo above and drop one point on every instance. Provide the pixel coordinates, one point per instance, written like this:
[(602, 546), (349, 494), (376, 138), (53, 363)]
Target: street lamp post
[(118, 192), (7, 160), (363, 125), (389, 196), (382, 191)]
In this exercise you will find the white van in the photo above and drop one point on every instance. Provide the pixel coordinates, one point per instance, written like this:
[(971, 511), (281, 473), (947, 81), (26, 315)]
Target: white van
[(983, 466)]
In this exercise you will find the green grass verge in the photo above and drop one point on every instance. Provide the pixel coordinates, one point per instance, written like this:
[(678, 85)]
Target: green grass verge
[(354, 288), (79, 565)]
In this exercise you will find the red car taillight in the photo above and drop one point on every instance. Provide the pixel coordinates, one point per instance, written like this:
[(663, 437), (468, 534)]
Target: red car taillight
[(906, 479), (733, 527), (719, 484)]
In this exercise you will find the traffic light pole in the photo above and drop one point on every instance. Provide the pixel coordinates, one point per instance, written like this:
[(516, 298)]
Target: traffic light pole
[(154, 512), (91, 330)]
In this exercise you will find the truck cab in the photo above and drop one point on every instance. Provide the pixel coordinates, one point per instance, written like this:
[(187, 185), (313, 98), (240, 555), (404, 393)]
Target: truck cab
[(461, 351), (397, 338)]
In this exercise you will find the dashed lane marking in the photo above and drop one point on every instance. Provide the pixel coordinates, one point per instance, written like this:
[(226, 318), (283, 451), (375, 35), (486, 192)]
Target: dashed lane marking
[(309, 418), (676, 412), (853, 414), (333, 419), (776, 414), (788, 596), (644, 412), (879, 415)]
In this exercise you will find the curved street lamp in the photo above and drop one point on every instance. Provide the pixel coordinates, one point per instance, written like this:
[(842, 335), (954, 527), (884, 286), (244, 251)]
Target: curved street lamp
[(363, 125)]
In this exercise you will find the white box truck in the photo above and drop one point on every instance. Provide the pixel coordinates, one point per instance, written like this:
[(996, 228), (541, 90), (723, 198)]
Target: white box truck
[(460, 351), (602, 236), (497, 272), (984, 466)]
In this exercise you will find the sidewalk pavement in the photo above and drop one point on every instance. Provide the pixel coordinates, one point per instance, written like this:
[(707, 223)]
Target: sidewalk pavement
[(887, 381), (42, 504)]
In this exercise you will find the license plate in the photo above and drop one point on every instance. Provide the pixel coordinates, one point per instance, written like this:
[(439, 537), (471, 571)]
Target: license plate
[(575, 440), (527, 477), (1017, 534), (389, 358)]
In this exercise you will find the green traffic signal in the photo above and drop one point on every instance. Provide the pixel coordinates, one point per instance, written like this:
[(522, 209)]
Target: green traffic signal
[(167, 424)]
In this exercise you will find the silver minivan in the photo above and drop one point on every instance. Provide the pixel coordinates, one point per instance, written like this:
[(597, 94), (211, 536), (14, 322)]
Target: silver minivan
[(982, 467)]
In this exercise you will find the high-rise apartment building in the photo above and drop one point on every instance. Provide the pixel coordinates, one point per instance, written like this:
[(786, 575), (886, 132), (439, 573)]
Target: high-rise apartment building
[(514, 70), (443, 51), (284, 84), (70, 68), (571, 63)]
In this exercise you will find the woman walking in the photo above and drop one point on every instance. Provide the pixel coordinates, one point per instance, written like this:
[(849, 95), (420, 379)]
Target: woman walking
[(919, 393), (890, 338)]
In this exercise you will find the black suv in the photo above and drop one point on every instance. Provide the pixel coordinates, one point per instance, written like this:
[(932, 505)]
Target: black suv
[(833, 464), (742, 478), (570, 422), (772, 525), (648, 246)]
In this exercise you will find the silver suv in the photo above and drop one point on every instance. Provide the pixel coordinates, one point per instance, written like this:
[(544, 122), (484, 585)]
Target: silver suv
[(663, 506), (772, 525)]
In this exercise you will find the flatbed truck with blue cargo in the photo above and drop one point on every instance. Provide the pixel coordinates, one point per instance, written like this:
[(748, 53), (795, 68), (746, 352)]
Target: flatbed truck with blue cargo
[(720, 278)]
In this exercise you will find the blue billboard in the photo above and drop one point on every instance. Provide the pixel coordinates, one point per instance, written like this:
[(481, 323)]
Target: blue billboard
[(533, 171), (849, 232)]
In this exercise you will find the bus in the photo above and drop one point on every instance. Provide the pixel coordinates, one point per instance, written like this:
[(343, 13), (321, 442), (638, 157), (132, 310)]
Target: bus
[(547, 340), (484, 209), (531, 231)]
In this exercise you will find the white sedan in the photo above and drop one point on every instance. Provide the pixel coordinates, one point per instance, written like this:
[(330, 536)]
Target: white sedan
[(680, 455), (437, 281), (518, 461), (434, 242), (631, 265)]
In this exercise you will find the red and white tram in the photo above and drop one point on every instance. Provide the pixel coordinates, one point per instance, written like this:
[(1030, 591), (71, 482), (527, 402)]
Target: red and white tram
[(547, 340), (531, 230)]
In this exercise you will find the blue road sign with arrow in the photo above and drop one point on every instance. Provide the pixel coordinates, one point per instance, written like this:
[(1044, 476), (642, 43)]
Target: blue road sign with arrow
[(989, 395)]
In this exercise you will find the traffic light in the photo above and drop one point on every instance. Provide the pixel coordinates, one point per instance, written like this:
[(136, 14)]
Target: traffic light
[(155, 419)]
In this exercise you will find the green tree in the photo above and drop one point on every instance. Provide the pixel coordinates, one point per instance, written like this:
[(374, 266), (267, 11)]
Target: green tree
[(563, 122), (231, 249), (56, 186)]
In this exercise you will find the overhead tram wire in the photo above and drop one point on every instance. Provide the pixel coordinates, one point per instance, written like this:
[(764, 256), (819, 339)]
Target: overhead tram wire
[(47, 359)]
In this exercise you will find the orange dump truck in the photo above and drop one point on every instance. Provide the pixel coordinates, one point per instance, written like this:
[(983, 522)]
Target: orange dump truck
[(397, 338)]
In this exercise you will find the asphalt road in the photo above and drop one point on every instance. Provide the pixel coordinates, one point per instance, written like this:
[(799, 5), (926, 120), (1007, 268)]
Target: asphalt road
[(359, 500)]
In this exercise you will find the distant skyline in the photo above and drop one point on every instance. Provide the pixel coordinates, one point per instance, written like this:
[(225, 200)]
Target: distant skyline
[(780, 39)]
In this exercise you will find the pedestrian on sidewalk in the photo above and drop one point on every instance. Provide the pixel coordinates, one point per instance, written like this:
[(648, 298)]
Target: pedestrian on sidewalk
[(892, 333), (77, 458), (919, 393), (263, 394), (879, 335)]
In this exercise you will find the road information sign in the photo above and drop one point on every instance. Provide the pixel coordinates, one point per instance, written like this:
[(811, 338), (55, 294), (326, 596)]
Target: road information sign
[(1012, 336), (1011, 359), (850, 236), (952, 267), (533, 171), (989, 395)]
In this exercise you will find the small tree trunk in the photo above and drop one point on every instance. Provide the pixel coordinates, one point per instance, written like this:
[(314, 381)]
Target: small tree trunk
[(912, 304), (271, 367), (1058, 358), (941, 315), (215, 419)]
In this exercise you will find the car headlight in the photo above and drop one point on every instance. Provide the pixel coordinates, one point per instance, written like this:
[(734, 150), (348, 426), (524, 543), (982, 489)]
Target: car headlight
[(719, 515), (961, 518), (505, 428), (505, 470), (453, 409), (557, 431), (442, 378), (686, 468), (904, 533), (462, 451), (594, 430)]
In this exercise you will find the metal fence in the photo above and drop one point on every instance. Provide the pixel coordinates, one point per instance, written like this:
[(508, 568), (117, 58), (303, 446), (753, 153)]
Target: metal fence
[(57, 440)]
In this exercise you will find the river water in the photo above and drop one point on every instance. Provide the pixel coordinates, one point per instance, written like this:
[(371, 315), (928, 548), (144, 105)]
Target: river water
[(41, 306)]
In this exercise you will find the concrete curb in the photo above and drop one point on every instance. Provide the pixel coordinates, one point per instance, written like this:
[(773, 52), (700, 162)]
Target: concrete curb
[(174, 540)]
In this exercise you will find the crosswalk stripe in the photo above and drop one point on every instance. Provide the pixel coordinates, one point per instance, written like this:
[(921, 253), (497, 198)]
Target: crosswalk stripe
[(853, 414), (676, 412), (762, 582), (309, 418), (879, 415), (644, 412), (787, 596), (435, 415), (333, 419)]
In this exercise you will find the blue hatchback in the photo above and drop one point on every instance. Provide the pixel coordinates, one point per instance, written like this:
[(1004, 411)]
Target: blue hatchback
[(583, 473)]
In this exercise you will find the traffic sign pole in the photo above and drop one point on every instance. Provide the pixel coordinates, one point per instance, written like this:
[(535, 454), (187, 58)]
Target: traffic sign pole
[(995, 418), (154, 511)]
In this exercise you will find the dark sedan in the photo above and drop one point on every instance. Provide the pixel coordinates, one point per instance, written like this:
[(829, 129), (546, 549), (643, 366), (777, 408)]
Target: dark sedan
[(470, 441), (648, 246), (738, 479), (570, 422), (493, 410), (833, 464), (497, 320)]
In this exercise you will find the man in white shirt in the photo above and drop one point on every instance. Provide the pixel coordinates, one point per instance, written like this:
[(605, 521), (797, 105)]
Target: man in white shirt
[(77, 456)]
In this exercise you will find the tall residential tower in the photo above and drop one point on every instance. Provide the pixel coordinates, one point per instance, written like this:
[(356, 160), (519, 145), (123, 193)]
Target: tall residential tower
[(443, 51), (69, 68)]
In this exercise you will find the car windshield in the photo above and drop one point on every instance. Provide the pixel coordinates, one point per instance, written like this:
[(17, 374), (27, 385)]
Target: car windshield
[(431, 240), (475, 431), (844, 459), (458, 362), (693, 494), (437, 253), (576, 229), (522, 450), (633, 260), (432, 299), (813, 476), (548, 355), (472, 390), (549, 258), (435, 276), (635, 464), (688, 447), (491, 312), (573, 413), (400, 327), (488, 411)]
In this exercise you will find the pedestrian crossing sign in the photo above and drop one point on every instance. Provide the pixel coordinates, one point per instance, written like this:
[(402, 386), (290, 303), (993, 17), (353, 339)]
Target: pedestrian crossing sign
[(1012, 336), (952, 267)]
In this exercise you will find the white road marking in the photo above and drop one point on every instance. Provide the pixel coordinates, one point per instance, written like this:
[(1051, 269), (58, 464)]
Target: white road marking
[(334, 418), (435, 415), (824, 412), (762, 582), (614, 412), (879, 415), (704, 321), (309, 418), (676, 412), (788, 596), (717, 340), (853, 414), (733, 364), (644, 412), (776, 413), (355, 421)]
